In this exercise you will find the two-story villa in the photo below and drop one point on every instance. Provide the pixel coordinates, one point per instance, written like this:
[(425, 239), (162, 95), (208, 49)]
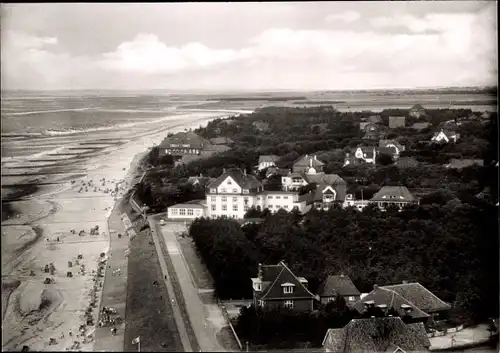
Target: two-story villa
[(308, 165), (267, 161), (183, 143), (361, 154), (234, 192), (277, 287), (393, 195)]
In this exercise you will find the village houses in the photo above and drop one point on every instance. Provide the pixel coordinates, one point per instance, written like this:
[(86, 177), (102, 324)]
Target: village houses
[(338, 285), (398, 196), (267, 161), (360, 154), (277, 287)]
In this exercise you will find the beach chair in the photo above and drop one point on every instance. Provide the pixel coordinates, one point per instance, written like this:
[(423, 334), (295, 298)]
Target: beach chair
[(69, 274)]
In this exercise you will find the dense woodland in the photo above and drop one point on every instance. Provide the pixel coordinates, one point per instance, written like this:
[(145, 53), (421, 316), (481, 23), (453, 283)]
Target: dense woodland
[(449, 243)]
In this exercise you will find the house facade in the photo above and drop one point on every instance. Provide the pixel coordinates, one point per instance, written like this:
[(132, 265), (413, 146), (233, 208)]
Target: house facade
[(350, 201), (182, 143), (397, 121), (267, 161), (192, 210), (392, 143), (417, 111), (445, 136), (330, 190), (234, 192), (277, 287), (399, 196), (338, 285), (361, 154)]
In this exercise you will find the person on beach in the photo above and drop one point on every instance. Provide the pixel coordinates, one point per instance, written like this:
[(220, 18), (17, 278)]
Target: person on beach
[(70, 333)]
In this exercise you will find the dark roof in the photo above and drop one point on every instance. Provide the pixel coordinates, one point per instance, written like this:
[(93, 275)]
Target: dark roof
[(377, 335), (374, 119), (201, 180), (243, 181), (371, 135), (387, 150), (274, 170), (340, 191), (221, 140), (185, 138), (406, 162), (337, 285), (397, 121), (463, 163), (369, 126), (278, 275), (362, 124), (393, 193), (305, 161), (418, 107), (420, 296), (268, 158), (392, 299), (216, 148), (327, 179), (420, 126)]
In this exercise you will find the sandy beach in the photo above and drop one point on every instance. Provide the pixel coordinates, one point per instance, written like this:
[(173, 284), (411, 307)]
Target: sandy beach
[(75, 189)]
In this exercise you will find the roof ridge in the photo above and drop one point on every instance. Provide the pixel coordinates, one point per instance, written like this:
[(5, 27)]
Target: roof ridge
[(417, 283), (399, 295), (272, 284)]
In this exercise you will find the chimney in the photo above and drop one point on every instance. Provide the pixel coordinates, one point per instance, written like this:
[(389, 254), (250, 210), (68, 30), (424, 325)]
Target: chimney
[(405, 282), (245, 171), (260, 271), (375, 287), (315, 157), (310, 162), (223, 170)]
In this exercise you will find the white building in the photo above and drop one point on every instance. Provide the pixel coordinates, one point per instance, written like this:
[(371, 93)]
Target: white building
[(365, 154), (267, 161), (358, 204), (234, 192), (190, 210), (293, 181), (445, 136)]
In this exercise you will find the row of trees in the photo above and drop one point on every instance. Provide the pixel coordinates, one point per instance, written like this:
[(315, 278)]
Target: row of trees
[(452, 249)]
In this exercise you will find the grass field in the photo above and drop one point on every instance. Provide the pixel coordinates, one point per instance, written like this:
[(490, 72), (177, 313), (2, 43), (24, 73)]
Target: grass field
[(149, 313)]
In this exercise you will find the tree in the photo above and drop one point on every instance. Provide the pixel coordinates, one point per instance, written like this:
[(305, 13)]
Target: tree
[(384, 159)]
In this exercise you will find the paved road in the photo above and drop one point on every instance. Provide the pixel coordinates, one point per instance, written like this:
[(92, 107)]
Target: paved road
[(177, 314), (206, 321)]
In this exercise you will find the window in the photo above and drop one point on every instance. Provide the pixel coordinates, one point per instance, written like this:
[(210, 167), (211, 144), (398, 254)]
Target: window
[(351, 298), (287, 289), (190, 212), (235, 190), (270, 206), (235, 199), (278, 197), (224, 207), (235, 207), (245, 199), (269, 197), (246, 191), (289, 304), (229, 182), (174, 211), (213, 207), (223, 190), (182, 211), (245, 207), (331, 299), (212, 199), (224, 199), (258, 198), (286, 206), (258, 286), (261, 303), (213, 190), (285, 197)]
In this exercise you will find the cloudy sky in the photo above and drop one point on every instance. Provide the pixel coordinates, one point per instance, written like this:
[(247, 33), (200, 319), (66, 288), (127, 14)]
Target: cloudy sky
[(323, 45)]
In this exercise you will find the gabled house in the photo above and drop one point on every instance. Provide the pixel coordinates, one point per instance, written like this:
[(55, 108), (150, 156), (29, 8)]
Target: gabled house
[(375, 119), (417, 111), (395, 147), (183, 143), (397, 121), (267, 161), (420, 126), (277, 287), (445, 136), (368, 126), (308, 164), (200, 181), (422, 298), (293, 181), (338, 285), (362, 154), (381, 335), (330, 190), (396, 195), (221, 141), (463, 163), (406, 162), (387, 299)]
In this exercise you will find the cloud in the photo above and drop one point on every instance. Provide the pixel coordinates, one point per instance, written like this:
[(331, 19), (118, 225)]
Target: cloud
[(441, 49), (346, 16)]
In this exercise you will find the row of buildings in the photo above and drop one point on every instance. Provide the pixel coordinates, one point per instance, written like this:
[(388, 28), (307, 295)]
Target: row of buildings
[(234, 192), (277, 287)]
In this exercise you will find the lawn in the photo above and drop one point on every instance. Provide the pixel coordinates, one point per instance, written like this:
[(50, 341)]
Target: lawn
[(149, 313)]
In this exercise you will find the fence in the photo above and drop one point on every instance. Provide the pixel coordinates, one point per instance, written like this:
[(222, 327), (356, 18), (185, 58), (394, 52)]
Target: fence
[(226, 317)]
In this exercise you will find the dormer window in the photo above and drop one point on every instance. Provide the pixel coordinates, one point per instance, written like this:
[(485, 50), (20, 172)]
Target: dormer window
[(223, 190), (213, 190), (246, 191), (258, 286), (288, 288), (229, 182)]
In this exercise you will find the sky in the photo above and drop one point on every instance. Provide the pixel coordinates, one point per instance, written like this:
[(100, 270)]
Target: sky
[(249, 46)]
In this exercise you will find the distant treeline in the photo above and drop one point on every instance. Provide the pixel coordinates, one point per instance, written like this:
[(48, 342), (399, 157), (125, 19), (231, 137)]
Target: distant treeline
[(318, 102), (268, 99)]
